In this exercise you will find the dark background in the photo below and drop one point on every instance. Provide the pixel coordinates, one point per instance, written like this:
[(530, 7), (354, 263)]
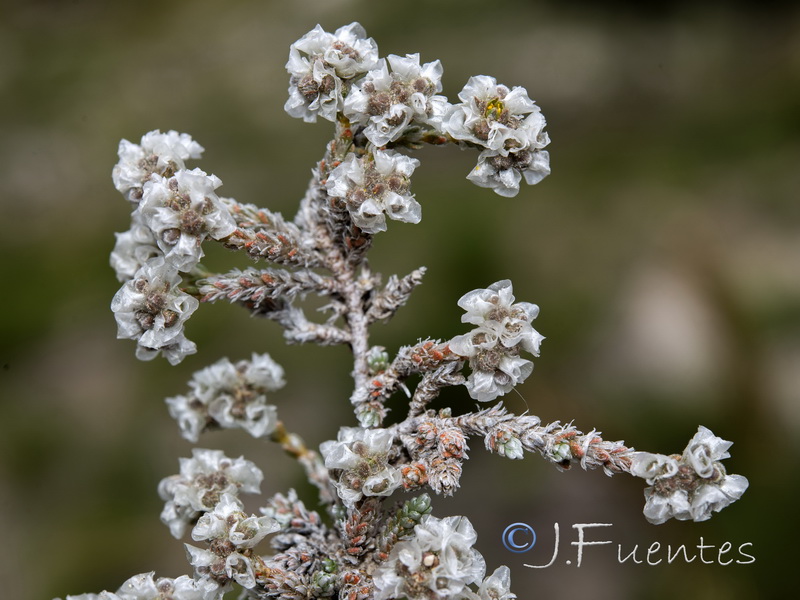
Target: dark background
[(663, 251)]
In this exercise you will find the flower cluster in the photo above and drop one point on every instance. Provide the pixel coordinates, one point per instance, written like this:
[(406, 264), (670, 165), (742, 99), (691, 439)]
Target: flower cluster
[(397, 100), (376, 185), (231, 535), (158, 154), (321, 65), (510, 128), (504, 329), (225, 395), (146, 587), (202, 481), (397, 94), (175, 210), (439, 561), (361, 457), (151, 309), (691, 485)]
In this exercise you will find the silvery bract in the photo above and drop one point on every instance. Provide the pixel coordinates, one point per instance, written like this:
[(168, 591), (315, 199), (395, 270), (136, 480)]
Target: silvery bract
[(202, 481), (227, 396)]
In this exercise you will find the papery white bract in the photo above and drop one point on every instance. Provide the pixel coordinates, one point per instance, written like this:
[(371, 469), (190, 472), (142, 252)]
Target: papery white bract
[(497, 586), (133, 249), (146, 587), (503, 174), (232, 535), (499, 119), (509, 125), (228, 396)]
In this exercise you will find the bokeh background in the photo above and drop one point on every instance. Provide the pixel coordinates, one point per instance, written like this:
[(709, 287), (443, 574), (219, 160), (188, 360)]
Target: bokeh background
[(664, 251)]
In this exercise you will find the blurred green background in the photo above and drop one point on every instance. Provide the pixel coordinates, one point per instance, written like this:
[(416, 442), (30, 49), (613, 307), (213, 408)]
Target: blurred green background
[(664, 251)]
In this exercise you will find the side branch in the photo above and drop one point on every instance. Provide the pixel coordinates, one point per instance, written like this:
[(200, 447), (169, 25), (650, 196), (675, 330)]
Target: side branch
[(253, 286), (265, 235), (394, 295), (310, 461), (563, 445)]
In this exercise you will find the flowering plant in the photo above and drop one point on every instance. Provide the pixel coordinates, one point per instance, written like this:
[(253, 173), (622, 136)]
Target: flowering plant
[(366, 545)]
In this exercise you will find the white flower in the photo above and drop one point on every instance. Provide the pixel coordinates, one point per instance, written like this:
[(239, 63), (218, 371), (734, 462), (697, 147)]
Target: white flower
[(713, 498), (496, 118), (703, 450), (146, 587), (495, 374), (504, 328), (509, 126), (376, 185), (157, 154), (504, 173), (497, 586), (691, 485), (659, 508), (263, 372), (229, 522), (320, 64), (362, 456), (397, 94), (151, 309), (191, 415), (181, 212), (494, 310), (202, 481), (133, 249), (653, 466), (228, 396), (439, 561), (232, 534)]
